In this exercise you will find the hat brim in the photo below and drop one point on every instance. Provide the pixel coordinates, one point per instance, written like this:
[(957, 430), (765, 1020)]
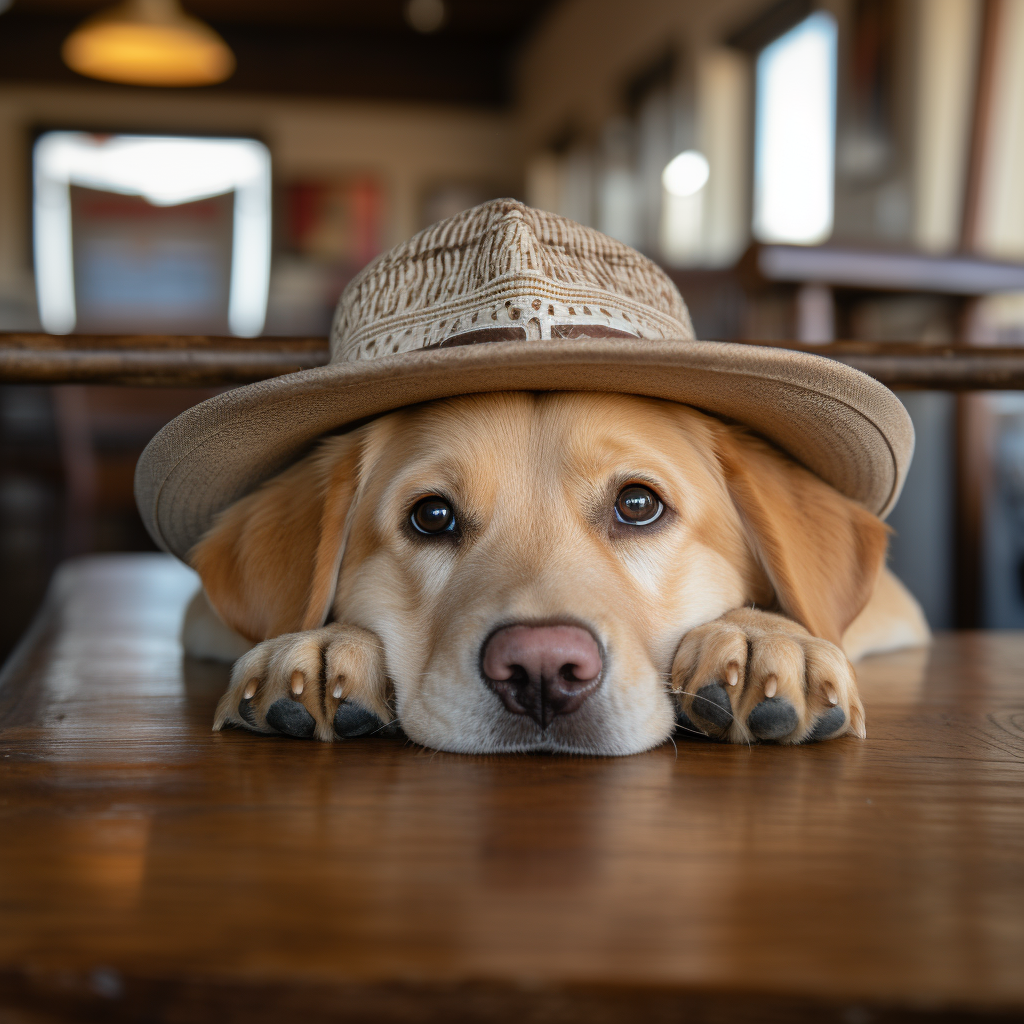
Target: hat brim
[(844, 426)]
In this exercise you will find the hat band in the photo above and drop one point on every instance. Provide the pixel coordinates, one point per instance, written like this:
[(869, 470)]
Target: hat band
[(547, 312), (534, 330)]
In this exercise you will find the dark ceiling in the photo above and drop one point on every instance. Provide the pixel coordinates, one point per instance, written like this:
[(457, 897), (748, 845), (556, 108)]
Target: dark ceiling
[(338, 48)]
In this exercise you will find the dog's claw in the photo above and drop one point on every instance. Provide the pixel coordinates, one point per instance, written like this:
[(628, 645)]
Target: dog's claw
[(350, 720), (772, 719), (291, 718)]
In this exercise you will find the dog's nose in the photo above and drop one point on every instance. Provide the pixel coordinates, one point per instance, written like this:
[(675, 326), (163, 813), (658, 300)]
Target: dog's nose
[(542, 671)]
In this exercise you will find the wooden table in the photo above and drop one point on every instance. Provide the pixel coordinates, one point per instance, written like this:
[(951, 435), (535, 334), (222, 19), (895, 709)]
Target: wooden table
[(151, 870)]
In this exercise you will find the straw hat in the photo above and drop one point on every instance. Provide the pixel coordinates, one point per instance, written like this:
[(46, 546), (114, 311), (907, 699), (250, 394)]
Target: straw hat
[(507, 298)]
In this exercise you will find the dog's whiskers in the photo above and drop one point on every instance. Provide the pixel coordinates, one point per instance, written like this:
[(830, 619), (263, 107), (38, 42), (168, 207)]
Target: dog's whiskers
[(696, 732)]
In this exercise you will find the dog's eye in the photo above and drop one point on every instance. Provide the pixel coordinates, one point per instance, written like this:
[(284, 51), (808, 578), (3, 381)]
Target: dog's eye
[(637, 506), (433, 515)]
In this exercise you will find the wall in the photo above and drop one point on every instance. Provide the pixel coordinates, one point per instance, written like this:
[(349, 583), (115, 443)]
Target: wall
[(574, 69), (948, 39), (572, 84), (1001, 221), (411, 148)]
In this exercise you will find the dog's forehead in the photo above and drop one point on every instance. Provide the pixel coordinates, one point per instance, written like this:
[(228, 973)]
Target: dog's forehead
[(521, 430), (524, 445)]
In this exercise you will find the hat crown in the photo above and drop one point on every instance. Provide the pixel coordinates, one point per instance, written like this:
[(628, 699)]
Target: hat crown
[(504, 271)]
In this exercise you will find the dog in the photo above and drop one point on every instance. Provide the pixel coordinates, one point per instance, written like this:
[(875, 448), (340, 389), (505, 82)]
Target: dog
[(549, 571)]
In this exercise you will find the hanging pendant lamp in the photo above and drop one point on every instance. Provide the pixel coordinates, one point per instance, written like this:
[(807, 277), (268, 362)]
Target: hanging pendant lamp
[(148, 42)]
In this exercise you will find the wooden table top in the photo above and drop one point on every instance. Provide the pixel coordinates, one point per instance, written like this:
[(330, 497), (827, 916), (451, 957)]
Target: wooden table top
[(152, 870)]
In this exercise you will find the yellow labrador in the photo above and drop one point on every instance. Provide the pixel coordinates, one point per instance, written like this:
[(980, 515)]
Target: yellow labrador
[(550, 572)]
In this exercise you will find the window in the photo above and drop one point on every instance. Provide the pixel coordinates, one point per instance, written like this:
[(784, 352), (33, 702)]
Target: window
[(795, 134), (151, 233)]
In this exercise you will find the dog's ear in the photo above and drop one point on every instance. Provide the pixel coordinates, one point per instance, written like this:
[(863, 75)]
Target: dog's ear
[(821, 551), (270, 562)]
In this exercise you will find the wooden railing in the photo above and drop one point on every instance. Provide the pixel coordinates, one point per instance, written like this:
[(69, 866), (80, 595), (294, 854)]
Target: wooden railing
[(153, 360), (201, 361)]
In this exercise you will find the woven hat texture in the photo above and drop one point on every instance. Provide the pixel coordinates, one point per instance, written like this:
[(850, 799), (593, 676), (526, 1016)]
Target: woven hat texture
[(504, 272), (507, 298)]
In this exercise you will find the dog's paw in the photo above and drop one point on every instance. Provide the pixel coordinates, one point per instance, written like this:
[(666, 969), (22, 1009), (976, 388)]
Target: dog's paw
[(753, 675), (325, 684)]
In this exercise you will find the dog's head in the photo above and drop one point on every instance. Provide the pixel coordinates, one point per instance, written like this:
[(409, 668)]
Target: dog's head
[(530, 562)]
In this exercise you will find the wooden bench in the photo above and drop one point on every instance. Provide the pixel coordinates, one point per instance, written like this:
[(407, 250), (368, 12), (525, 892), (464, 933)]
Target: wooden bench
[(151, 870)]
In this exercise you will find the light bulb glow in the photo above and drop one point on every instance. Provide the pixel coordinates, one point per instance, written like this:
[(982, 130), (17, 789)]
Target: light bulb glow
[(148, 42), (147, 55), (425, 16), (686, 174)]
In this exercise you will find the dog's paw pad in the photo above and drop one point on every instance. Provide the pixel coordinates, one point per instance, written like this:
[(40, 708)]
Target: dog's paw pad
[(711, 708), (772, 719), (350, 720), (291, 718), (318, 684), (783, 685), (831, 722)]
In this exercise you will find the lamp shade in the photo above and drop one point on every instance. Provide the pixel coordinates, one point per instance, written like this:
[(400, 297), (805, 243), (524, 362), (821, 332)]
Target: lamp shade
[(148, 42)]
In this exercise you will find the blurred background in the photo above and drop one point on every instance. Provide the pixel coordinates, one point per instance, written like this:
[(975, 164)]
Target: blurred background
[(848, 169)]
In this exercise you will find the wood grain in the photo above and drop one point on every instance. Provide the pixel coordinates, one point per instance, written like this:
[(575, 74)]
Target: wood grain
[(155, 360), (201, 361), (152, 870)]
